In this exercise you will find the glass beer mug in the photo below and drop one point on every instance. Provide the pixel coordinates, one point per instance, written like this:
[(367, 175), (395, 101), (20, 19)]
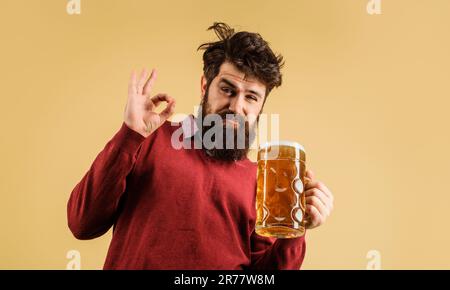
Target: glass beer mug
[(280, 201)]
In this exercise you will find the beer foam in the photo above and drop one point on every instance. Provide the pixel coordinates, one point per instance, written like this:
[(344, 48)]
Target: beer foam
[(282, 143)]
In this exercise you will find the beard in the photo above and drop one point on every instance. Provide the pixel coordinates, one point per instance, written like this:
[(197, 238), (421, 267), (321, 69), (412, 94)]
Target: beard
[(232, 143)]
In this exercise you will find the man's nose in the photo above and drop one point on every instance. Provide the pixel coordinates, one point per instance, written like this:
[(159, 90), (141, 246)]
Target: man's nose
[(237, 105)]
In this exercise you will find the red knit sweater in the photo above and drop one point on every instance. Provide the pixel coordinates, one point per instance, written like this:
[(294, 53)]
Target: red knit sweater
[(174, 208)]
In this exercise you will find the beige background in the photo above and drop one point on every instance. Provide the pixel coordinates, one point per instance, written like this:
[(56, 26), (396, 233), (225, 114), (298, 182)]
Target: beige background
[(367, 95)]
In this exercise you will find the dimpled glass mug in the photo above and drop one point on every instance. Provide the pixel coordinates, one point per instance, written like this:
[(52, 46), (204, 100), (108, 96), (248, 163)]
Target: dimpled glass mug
[(280, 201)]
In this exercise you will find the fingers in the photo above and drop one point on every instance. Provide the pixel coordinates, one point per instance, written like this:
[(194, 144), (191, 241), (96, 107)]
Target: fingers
[(319, 200), (321, 186), (132, 89), (168, 111), (314, 217), (310, 174), (142, 80), (156, 100), (324, 199), (319, 205), (143, 84), (149, 84)]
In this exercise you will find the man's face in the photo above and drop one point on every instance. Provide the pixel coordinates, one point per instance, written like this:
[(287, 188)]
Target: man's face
[(233, 95), (231, 90)]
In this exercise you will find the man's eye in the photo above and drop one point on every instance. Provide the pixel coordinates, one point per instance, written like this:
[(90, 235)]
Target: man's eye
[(227, 90), (253, 98)]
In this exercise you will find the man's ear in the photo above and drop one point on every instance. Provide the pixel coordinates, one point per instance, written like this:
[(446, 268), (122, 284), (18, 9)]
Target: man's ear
[(203, 85)]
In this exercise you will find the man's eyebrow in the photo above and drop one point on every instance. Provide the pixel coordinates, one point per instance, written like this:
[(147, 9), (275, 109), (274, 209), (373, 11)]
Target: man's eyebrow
[(224, 80), (228, 82)]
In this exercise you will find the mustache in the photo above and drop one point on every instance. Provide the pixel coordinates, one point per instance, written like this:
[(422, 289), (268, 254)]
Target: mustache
[(229, 114)]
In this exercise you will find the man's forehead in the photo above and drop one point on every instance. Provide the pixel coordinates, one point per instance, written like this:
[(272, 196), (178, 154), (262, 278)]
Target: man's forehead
[(229, 71)]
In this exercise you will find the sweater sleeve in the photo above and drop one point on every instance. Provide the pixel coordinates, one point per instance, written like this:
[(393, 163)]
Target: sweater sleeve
[(277, 254), (94, 200)]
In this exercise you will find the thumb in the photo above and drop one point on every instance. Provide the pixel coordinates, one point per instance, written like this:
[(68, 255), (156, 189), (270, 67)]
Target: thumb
[(310, 176)]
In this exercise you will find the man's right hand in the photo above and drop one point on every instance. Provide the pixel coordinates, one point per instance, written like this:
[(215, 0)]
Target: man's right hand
[(140, 114)]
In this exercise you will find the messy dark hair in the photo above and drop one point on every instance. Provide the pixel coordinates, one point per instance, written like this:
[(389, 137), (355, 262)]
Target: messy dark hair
[(248, 51)]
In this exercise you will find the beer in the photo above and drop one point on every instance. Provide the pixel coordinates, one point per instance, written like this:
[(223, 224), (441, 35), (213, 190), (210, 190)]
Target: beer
[(280, 201)]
